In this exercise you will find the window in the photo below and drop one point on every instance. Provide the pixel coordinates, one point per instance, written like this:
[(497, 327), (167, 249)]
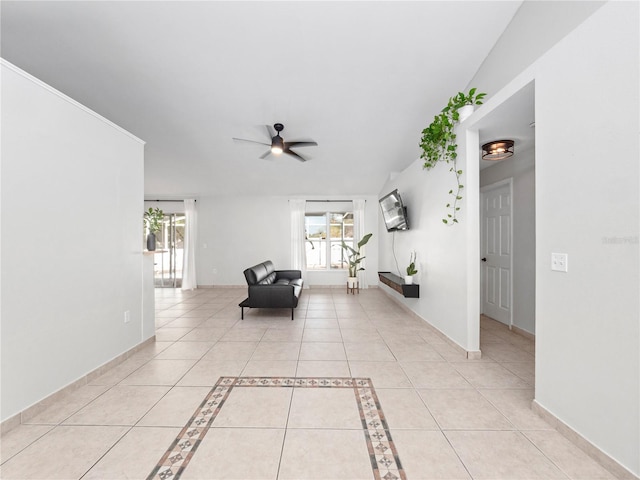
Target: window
[(325, 232)]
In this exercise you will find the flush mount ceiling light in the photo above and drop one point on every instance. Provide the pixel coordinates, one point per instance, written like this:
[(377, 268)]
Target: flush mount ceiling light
[(497, 150)]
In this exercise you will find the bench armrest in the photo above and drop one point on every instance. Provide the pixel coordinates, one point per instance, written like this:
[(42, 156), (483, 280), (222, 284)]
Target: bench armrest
[(289, 274)]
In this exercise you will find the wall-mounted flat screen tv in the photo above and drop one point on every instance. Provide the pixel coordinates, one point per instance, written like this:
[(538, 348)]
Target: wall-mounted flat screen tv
[(394, 212)]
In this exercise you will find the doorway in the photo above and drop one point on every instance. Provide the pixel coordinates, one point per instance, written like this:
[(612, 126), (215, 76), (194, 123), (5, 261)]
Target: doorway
[(496, 234), (169, 254), (509, 185)]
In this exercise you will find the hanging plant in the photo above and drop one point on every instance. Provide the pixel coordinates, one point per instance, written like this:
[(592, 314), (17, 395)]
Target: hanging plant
[(438, 144)]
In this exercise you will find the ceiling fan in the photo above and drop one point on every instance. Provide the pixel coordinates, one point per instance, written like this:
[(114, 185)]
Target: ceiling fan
[(278, 145)]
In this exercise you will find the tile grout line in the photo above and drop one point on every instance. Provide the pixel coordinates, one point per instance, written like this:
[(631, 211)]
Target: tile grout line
[(106, 452), (526, 437), (286, 428), (181, 450), (464, 465)]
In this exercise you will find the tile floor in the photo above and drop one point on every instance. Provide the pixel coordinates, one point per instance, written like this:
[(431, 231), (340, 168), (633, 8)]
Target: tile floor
[(447, 417)]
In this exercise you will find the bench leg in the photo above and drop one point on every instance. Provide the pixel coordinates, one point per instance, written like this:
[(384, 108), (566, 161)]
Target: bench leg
[(292, 314), (241, 313)]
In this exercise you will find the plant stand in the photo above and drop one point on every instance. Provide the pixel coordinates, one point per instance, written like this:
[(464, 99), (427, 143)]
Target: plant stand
[(353, 288)]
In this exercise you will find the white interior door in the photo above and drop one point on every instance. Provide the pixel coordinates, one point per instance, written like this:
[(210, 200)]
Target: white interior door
[(495, 251)]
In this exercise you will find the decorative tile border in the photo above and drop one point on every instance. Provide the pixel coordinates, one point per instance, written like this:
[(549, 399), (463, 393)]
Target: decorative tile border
[(382, 452), (384, 456)]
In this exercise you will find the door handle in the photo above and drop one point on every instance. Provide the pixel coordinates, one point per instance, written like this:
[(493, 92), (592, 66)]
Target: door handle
[(484, 259)]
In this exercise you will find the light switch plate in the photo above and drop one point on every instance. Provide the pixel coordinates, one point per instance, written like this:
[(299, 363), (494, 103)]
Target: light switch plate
[(559, 262)]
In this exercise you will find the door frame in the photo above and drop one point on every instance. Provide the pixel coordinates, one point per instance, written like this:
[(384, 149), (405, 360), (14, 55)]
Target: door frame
[(487, 188), (169, 237)]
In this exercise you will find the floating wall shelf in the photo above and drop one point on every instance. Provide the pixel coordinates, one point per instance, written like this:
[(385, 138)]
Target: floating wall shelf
[(395, 282)]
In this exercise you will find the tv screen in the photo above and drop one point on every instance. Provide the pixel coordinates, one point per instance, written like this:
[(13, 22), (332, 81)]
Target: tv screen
[(394, 212)]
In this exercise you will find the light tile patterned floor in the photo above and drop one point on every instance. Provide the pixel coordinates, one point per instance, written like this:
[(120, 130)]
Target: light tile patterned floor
[(448, 417), (382, 455)]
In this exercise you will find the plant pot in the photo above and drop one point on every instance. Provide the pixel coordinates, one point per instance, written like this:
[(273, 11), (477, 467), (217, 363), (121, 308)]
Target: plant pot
[(408, 279), (352, 282), (465, 112), (151, 242)]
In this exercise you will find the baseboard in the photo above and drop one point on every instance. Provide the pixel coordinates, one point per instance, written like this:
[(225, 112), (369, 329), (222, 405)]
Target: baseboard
[(470, 354), (523, 333), (342, 287), (513, 328), (221, 286), (38, 407), (306, 286), (610, 464)]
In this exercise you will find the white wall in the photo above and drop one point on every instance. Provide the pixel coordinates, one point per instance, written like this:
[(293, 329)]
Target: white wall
[(237, 232), (587, 180), (442, 250), (520, 167), (534, 29), (587, 205), (72, 190)]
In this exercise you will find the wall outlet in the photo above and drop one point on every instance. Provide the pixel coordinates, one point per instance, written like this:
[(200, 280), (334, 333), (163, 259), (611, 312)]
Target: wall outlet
[(215, 271), (559, 262), (127, 316)]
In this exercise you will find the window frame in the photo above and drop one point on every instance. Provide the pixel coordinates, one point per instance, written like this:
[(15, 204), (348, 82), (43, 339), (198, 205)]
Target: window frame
[(329, 241)]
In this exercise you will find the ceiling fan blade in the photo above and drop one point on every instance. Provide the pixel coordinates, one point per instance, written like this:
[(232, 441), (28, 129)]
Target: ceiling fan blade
[(294, 154), (274, 132), (270, 131), (301, 143), (250, 141)]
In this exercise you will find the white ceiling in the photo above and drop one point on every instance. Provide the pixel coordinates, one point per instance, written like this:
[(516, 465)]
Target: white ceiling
[(360, 78)]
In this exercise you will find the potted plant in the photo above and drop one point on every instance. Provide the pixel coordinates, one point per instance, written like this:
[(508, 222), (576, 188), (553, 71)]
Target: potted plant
[(354, 258), (461, 105), (411, 269), (153, 219), (438, 142)]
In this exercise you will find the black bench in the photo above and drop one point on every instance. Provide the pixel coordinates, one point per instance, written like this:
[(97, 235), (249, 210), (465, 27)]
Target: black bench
[(271, 288)]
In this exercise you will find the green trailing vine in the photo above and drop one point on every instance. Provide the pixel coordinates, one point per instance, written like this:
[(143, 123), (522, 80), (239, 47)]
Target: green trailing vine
[(438, 144)]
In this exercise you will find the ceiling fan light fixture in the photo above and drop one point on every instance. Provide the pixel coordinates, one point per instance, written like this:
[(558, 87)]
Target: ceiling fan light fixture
[(277, 145), (497, 150)]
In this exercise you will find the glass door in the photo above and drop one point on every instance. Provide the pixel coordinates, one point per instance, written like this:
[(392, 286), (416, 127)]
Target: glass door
[(169, 252)]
